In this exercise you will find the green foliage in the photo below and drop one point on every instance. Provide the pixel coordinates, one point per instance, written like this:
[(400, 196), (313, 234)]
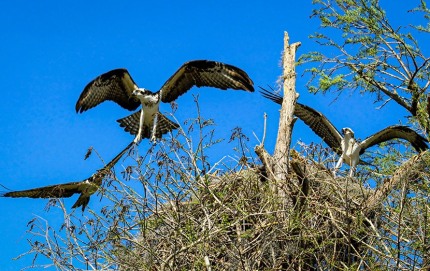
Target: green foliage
[(365, 52), (422, 8), (326, 82)]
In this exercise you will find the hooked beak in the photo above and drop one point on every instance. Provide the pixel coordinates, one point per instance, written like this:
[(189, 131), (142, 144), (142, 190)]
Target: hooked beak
[(134, 93)]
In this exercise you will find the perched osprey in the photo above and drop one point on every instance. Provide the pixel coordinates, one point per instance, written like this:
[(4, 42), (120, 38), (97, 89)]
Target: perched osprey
[(86, 187), (118, 86), (346, 146)]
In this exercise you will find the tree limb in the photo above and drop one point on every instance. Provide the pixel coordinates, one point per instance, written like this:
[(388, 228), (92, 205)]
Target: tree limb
[(408, 171)]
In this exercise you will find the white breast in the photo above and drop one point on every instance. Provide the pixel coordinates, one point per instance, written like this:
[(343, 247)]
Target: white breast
[(150, 112)]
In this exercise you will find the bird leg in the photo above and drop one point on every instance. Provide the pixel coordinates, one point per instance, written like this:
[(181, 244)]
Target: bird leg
[(354, 162), (338, 165), (139, 133), (154, 129), (351, 171)]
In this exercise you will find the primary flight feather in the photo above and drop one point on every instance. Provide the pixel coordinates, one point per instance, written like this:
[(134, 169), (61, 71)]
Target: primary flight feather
[(118, 86), (345, 144), (85, 188)]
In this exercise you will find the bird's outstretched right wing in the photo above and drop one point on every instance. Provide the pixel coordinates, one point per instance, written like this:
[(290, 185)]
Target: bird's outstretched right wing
[(115, 85), (65, 190), (314, 119), (204, 73), (85, 188)]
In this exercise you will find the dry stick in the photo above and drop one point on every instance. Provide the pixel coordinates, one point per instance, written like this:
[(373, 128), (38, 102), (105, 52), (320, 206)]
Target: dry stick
[(265, 127), (264, 156)]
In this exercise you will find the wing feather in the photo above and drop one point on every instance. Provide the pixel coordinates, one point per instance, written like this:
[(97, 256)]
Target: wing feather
[(115, 85), (86, 187), (314, 119), (52, 191), (320, 125), (393, 132), (204, 73)]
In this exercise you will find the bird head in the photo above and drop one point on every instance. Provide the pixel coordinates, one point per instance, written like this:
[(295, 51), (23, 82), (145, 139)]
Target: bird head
[(140, 92), (347, 131)]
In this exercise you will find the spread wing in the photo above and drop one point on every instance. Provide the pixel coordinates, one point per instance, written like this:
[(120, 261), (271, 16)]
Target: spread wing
[(85, 188), (131, 125), (393, 132), (92, 184), (204, 73), (320, 125), (116, 85), (52, 191), (314, 119)]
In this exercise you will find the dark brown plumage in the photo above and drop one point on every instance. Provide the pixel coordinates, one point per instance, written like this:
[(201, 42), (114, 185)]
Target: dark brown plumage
[(85, 188), (118, 86), (115, 85), (314, 119), (348, 148), (202, 73), (131, 125)]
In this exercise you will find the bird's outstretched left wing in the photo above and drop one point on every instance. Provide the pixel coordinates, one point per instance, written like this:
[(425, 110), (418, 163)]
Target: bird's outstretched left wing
[(204, 73), (314, 119), (393, 132)]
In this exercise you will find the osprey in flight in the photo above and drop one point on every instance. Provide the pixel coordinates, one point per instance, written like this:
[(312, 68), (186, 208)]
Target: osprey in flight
[(346, 146), (86, 187), (118, 86)]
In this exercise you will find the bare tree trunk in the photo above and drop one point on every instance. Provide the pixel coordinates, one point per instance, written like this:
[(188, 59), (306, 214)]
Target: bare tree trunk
[(280, 156)]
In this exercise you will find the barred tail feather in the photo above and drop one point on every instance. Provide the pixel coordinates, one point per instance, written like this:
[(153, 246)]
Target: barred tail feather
[(131, 125), (164, 125)]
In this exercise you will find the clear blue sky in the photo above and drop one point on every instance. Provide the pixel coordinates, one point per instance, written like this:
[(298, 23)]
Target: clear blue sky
[(51, 49)]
